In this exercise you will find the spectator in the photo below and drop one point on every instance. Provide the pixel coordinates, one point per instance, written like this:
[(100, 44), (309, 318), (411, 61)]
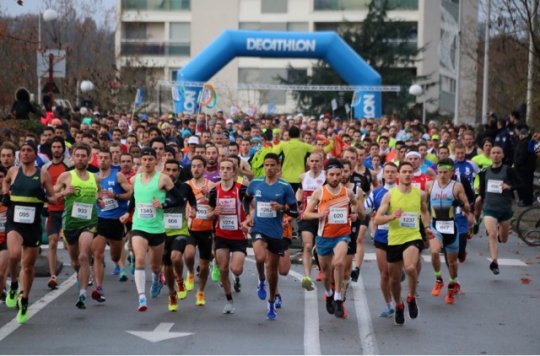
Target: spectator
[(525, 164)]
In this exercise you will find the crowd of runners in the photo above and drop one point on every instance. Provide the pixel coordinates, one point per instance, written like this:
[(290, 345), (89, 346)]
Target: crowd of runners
[(167, 187)]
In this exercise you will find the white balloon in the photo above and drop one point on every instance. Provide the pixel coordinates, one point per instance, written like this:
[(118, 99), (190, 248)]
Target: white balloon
[(50, 15), (87, 85), (415, 90)]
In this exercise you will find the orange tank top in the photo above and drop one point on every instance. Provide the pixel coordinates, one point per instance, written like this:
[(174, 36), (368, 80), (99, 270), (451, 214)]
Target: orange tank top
[(201, 221), (336, 223)]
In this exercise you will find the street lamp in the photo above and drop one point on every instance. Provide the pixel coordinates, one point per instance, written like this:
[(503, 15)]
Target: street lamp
[(417, 90), (48, 16)]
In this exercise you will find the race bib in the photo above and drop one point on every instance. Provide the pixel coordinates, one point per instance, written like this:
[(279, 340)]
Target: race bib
[(110, 204), (82, 211), (264, 210), (146, 211), (409, 220), (494, 186), (173, 221), (338, 216), (24, 214), (383, 227), (202, 212), (228, 222), (445, 226), (228, 205)]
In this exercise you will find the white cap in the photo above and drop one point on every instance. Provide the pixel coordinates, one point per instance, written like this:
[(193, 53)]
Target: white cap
[(193, 140), (229, 121)]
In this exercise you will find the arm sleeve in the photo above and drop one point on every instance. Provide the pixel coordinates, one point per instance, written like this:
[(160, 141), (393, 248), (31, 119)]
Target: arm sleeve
[(191, 196), (131, 204), (212, 197), (469, 192), (482, 189), (172, 197)]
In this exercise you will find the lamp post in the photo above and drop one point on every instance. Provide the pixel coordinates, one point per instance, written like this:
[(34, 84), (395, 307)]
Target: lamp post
[(417, 90), (48, 16)]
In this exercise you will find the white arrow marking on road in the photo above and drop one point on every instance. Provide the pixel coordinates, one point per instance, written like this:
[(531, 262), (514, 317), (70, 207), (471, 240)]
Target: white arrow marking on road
[(160, 333)]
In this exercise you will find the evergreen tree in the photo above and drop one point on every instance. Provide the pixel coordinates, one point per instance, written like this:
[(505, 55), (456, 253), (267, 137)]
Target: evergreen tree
[(383, 43)]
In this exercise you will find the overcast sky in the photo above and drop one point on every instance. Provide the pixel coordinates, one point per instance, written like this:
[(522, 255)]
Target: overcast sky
[(34, 6)]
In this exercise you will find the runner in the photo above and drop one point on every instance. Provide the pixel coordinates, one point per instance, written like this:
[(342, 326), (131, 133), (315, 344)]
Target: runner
[(115, 193), (24, 194), (200, 230), (445, 194), (336, 207), (4, 255), (371, 205), (79, 188), (55, 168), (176, 229), (270, 195), (401, 209), (152, 192), (311, 181), (497, 184), (225, 201)]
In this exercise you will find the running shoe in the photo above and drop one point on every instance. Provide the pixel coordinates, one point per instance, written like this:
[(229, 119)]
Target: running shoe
[(413, 307), (200, 299), (11, 298), (457, 288), (90, 281), (436, 291), (261, 290), (173, 305), (449, 298), (330, 307), (181, 288), (190, 282), (237, 285), (52, 283), (216, 274), (278, 302), (123, 275), (81, 302), (339, 311), (494, 267), (143, 305), (97, 295), (319, 276), (388, 312), (228, 308), (355, 273), (156, 288), (307, 284), (271, 313), (399, 317), (116, 270), (22, 314)]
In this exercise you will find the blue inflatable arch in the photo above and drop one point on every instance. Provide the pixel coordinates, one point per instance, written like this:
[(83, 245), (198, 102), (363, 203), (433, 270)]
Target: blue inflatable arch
[(327, 46)]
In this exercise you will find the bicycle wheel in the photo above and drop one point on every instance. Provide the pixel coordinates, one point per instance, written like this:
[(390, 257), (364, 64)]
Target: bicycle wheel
[(528, 226)]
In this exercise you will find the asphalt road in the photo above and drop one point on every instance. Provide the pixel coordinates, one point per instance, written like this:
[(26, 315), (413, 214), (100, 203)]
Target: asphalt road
[(493, 315)]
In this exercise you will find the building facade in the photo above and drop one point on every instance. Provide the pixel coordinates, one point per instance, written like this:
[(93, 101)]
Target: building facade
[(162, 35)]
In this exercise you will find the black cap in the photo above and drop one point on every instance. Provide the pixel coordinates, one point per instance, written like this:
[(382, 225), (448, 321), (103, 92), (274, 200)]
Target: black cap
[(333, 163), (148, 151), (32, 145)]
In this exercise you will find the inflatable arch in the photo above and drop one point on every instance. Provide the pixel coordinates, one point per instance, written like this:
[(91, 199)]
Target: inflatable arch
[(327, 46)]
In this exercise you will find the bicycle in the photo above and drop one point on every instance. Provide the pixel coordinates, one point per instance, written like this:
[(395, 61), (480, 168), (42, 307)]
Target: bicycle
[(528, 225)]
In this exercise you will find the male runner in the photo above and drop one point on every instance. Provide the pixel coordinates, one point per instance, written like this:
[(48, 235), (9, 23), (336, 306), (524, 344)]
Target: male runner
[(23, 191)]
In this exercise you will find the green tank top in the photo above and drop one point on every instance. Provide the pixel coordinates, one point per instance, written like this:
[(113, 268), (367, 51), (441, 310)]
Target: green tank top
[(407, 227), (80, 207), (147, 218)]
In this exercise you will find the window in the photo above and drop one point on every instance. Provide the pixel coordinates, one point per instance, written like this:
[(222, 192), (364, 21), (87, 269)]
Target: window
[(274, 6), (179, 38), (156, 4), (297, 27), (338, 5), (249, 26), (448, 84), (135, 30), (275, 26)]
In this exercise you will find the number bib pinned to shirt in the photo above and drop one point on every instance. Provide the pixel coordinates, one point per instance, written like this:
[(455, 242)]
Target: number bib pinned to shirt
[(338, 216), (24, 214), (173, 221), (146, 211), (409, 220), (264, 210), (494, 186), (110, 204), (202, 212), (82, 211), (228, 222), (445, 226)]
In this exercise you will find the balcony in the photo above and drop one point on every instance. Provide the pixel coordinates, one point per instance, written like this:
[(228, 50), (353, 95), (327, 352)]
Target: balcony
[(152, 48), (156, 5), (343, 5)]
